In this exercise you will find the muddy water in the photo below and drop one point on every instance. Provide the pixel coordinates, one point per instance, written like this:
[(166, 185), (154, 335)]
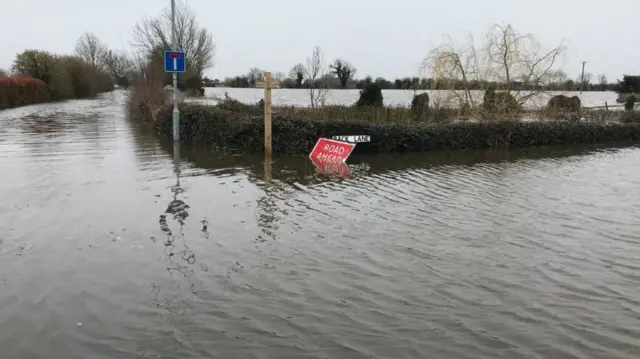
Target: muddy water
[(111, 248)]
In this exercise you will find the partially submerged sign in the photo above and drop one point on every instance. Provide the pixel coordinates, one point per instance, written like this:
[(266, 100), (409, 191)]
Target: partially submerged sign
[(327, 150), (353, 139), (338, 169)]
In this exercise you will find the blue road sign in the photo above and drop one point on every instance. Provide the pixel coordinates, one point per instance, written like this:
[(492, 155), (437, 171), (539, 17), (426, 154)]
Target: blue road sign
[(175, 61)]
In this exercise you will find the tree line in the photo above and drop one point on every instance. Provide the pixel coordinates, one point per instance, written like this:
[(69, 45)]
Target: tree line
[(342, 74), (90, 70), (88, 48)]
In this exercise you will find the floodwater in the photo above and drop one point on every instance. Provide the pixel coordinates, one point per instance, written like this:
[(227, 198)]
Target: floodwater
[(111, 248), (297, 97)]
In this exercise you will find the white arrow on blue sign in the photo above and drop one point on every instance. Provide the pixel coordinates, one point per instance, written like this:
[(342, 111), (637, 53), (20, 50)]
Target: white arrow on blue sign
[(175, 61)]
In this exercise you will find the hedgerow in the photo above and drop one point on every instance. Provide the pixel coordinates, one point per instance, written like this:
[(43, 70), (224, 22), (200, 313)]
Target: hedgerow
[(22, 91), (64, 77), (224, 128)]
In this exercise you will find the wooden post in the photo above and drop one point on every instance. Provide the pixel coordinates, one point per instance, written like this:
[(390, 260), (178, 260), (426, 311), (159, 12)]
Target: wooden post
[(606, 106), (267, 116), (268, 169)]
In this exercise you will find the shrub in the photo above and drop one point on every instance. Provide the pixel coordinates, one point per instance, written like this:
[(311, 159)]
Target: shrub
[(420, 102), (66, 77), (629, 84), (85, 80), (223, 128), (630, 103), (231, 104), (22, 91), (489, 103), (420, 105), (630, 117), (370, 96), (500, 102), (146, 93)]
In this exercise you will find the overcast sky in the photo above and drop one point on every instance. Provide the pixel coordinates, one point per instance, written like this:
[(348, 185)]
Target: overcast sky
[(381, 38)]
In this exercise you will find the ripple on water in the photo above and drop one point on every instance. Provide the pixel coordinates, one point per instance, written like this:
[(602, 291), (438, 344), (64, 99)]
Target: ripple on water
[(534, 258)]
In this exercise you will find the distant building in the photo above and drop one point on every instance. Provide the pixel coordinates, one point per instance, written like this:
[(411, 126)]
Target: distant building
[(275, 84)]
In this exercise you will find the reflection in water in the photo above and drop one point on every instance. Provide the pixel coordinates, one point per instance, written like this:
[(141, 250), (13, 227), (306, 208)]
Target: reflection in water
[(177, 208), (268, 209), (299, 170), (177, 251)]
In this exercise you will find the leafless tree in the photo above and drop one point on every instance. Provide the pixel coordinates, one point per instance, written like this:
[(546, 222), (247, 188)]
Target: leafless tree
[(602, 80), (91, 49), (297, 74), (315, 71), (343, 70), (154, 33), (505, 56), (118, 65), (586, 80), (255, 74), (279, 76), (558, 77)]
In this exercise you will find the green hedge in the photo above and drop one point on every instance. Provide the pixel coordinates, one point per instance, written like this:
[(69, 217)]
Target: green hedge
[(229, 129)]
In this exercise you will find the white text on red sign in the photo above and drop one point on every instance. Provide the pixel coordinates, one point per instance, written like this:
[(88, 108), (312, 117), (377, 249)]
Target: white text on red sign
[(332, 153)]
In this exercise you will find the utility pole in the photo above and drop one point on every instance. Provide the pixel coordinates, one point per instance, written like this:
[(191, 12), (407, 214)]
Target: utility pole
[(176, 112), (582, 77)]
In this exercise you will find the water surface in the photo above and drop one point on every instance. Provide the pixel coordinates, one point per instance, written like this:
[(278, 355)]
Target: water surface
[(112, 248)]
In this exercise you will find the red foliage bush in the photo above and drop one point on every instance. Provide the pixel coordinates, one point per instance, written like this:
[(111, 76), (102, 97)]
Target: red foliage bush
[(22, 91)]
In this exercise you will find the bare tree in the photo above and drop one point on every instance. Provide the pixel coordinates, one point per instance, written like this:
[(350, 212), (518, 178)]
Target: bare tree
[(586, 80), (255, 74), (119, 65), (152, 34), (602, 80), (91, 49), (297, 74), (505, 56), (558, 78), (315, 71), (343, 70), (279, 76)]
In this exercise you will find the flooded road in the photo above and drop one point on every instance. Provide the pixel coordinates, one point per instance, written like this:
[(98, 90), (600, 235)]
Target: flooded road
[(111, 248)]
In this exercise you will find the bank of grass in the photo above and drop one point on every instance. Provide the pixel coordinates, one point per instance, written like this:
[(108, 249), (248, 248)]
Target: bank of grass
[(232, 125), (45, 77)]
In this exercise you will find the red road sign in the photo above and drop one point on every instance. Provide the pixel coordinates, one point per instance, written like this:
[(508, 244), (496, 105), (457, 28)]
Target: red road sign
[(327, 150), (338, 169), (174, 56)]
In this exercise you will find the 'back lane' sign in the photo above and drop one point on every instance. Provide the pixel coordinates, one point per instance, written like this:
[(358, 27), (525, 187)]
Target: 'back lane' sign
[(353, 139)]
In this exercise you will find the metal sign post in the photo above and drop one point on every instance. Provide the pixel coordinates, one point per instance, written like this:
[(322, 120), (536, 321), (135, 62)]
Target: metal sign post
[(174, 62)]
